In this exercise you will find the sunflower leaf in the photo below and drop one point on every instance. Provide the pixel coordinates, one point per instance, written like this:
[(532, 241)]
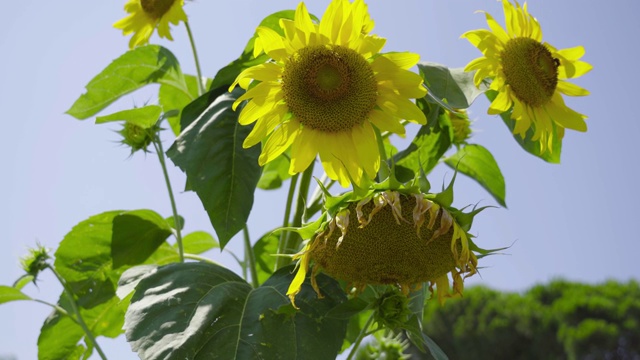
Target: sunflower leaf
[(552, 155), (144, 117), (454, 87), (207, 311), (198, 242), (173, 100), (477, 162), (134, 69), (223, 174), (136, 235), (9, 293), (264, 251)]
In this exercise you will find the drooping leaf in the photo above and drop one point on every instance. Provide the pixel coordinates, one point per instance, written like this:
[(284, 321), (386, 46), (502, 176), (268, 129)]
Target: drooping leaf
[(532, 147), (264, 251), (136, 235), (131, 71), (428, 146), (84, 260), (454, 87), (9, 293), (218, 168), (477, 162), (198, 242), (144, 117), (60, 336), (173, 100), (201, 310)]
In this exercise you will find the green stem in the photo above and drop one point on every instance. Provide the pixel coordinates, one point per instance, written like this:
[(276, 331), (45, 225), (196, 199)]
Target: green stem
[(293, 239), (195, 57), (383, 173), (363, 333), (76, 311), (157, 143), (281, 260), (250, 259), (58, 309)]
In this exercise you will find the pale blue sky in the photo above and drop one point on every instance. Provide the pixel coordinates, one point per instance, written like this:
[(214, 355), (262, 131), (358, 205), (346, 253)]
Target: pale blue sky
[(575, 220)]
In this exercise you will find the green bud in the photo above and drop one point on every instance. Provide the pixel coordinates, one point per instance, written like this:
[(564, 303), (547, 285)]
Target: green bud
[(392, 309), (137, 137), (35, 261)]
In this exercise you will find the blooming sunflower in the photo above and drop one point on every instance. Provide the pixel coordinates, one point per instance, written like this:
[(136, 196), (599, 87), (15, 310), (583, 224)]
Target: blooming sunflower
[(147, 15), (529, 75), (402, 238), (325, 89)]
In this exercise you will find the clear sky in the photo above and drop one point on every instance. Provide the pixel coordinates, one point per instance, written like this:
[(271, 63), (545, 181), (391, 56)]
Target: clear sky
[(574, 221)]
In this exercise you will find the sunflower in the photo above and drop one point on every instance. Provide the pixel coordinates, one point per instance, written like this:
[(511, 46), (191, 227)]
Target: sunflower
[(147, 15), (325, 89), (389, 237), (528, 75)]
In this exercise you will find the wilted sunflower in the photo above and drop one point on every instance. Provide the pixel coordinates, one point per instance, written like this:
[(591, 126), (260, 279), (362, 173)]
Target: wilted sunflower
[(528, 75), (147, 15), (402, 238), (325, 88)]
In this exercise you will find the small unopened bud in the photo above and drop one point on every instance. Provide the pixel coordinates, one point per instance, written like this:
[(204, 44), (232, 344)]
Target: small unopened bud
[(35, 261), (392, 309), (137, 137), (461, 126)]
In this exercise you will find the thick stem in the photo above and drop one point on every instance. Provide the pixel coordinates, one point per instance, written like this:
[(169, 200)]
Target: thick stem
[(249, 258), (281, 260), (383, 173), (157, 143), (363, 333), (293, 239), (195, 57), (76, 311)]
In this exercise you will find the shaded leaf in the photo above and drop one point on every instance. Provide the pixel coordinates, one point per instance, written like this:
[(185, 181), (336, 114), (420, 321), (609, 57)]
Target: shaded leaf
[(173, 100), (133, 70), (454, 87), (218, 168), (264, 251), (201, 310), (198, 242), (136, 235), (274, 173), (532, 147), (9, 293), (145, 116), (477, 162)]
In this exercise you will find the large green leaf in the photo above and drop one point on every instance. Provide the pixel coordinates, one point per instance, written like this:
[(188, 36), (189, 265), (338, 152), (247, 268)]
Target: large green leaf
[(84, 260), (454, 87), (204, 311), (173, 100), (477, 162), (9, 293), (428, 146), (136, 235), (198, 242), (60, 336), (218, 168), (133, 70), (532, 147)]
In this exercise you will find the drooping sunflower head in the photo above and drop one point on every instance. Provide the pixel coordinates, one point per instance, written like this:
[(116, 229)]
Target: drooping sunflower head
[(147, 15), (403, 238), (529, 75), (325, 89)]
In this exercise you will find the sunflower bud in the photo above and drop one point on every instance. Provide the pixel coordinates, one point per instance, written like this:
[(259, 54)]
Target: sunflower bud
[(35, 261), (461, 126), (392, 309), (137, 137)]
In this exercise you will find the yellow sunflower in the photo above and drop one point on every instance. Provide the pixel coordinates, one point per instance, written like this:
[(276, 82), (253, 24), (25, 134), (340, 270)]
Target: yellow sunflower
[(325, 89), (147, 15), (528, 75)]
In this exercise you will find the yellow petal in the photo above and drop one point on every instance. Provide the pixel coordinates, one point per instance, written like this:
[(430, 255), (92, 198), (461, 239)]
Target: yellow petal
[(564, 116), (265, 126), (497, 30), (304, 150), (502, 103), (401, 107), (279, 141), (298, 280), (404, 60), (303, 23), (570, 89), (386, 122), (272, 43), (364, 139), (262, 72)]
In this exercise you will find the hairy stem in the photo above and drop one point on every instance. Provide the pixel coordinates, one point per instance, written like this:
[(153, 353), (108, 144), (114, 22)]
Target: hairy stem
[(195, 57), (157, 143)]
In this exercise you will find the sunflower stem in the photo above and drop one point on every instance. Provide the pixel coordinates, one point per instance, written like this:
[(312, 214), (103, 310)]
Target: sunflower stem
[(249, 257), (76, 312), (383, 173), (363, 333), (157, 143), (195, 57), (293, 240), (58, 309), (280, 260)]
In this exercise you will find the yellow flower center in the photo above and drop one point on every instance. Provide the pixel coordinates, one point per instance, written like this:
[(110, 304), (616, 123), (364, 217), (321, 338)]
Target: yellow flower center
[(329, 88), (156, 8), (394, 243), (530, 70)]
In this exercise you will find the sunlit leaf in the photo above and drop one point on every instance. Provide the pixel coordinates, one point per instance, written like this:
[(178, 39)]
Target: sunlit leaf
[(477, 162), (454, 87), (219, 169), (173, 100), (145, 116), (201, 310), (9, 293), (198, 242), (265, 250), (131, 71)]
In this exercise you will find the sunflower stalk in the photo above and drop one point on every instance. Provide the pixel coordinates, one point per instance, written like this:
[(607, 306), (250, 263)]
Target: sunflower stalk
[(383, 173), (250, 260), (195, 58), (157, 143), (78, 316), (281, 260), (363, 333)]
